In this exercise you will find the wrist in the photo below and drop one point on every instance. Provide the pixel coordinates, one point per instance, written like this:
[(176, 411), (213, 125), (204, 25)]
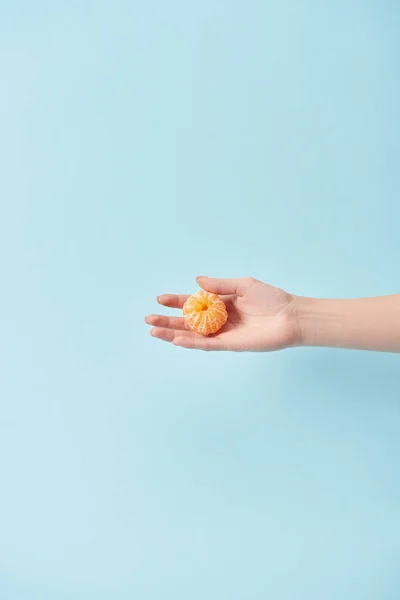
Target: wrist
[(319, 322)]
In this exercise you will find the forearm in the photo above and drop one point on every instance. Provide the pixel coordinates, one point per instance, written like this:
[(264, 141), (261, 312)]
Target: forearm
[(364, 324)]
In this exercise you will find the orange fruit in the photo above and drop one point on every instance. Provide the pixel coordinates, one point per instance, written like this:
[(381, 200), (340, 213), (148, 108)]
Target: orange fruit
[(205, 312)]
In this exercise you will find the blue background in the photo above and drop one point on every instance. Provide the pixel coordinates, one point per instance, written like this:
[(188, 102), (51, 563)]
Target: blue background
[(142, 144)]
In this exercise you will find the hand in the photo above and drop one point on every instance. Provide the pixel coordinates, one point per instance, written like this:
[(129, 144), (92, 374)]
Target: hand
[(260, 318)]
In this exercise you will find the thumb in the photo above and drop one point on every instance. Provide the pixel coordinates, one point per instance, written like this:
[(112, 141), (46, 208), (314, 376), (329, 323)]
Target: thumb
[(224, 286)]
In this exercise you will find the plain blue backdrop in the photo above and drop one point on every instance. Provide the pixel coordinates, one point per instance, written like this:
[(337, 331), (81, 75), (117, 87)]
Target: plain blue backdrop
[(144, 143)]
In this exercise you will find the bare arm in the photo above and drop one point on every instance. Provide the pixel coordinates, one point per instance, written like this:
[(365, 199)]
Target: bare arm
[(364, 324), (262, 318)]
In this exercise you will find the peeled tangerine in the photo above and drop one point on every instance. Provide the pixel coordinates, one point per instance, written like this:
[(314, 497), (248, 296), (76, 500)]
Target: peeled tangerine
[(205, 312)]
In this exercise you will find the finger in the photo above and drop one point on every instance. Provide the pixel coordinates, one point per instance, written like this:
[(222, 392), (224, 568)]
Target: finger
[(168, 335), (167, 322), (172, 300), (225, 286), (198, 343)]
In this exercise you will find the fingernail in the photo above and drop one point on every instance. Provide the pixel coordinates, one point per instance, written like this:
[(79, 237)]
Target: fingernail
[(202, 277)]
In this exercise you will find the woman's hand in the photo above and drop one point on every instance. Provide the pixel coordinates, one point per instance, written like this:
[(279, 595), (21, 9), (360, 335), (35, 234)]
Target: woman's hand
[(260, 318)]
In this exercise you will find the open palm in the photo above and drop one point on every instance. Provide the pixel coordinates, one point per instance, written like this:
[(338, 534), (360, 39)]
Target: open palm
[(260, 318)]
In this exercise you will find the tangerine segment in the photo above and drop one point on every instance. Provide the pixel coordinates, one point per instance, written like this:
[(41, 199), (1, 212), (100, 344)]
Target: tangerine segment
[(205, 312)]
